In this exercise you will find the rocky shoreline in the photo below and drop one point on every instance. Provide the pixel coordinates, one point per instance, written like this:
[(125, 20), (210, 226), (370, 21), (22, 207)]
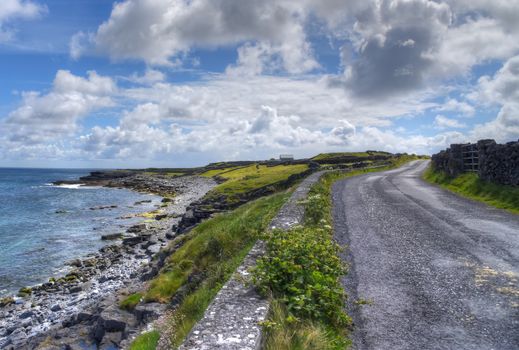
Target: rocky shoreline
[(81, 309)]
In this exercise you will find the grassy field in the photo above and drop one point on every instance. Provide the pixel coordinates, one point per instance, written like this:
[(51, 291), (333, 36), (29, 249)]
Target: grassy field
[(217, 172), (245, 179), (209, 255), (326, 156), (471, 186)]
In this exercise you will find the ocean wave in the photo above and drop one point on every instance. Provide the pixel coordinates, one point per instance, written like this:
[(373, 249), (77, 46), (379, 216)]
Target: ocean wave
[(73, 186)]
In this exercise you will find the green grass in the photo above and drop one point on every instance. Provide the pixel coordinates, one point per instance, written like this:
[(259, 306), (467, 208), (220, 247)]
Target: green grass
[(283, 333), (146, 341), (216, 172), (325, 156), (130, 302), (246, 179), (255, 176), (471, 186), (210, 254)]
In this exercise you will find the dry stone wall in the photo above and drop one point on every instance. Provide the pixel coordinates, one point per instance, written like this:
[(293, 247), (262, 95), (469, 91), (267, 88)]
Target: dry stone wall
[(498, 163)]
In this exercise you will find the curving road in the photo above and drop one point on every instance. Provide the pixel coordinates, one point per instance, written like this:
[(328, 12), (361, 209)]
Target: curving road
[(428, 269)]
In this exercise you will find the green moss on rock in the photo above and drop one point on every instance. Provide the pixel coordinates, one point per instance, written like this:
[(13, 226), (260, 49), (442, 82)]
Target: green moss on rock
[(130, 302), (24, 292)]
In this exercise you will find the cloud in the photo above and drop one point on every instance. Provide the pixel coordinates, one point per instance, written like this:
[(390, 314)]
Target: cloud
[(474, 42), (504, 128), (394, 40), (504, 11), (277, 132), (503, 90), (223, 118), (44, 117), (78, 44), (237, 120), (150, 76), (503, 87), (227, 99), (388, 140), (264, 135), (156, 31), (398, 59), (17, 9), (453, 105), (341, 135), (263, 57), (399, 46), (442, 122)]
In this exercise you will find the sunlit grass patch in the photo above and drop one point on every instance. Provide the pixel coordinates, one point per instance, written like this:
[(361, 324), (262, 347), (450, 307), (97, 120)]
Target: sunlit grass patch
[(218, 172), (212, 242), (255, 176), (146, 341), (285, 333), (327, 156), (130, 302)]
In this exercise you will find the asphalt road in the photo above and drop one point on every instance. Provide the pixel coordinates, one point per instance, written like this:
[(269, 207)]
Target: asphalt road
[(428, 269)]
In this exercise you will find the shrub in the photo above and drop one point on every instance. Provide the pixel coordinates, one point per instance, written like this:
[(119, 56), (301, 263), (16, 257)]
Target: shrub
[(302, 268)]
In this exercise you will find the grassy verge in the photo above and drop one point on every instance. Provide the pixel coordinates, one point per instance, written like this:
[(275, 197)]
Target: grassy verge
[(207, 258), (302, 270), (471, 186)]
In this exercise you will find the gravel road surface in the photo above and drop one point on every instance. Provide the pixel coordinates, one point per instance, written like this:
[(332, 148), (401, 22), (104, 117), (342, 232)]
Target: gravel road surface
[(428, 269)]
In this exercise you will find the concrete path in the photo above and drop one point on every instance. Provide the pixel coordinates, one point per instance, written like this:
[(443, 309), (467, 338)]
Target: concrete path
[(437, 271), (231, 322)]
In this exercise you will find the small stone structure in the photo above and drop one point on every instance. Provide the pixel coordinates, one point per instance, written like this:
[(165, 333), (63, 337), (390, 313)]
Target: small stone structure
[(286, 157), (231, 321), (494, 162)]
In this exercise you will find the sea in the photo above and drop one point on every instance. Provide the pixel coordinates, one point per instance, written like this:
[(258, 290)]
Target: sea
[(42, 226)]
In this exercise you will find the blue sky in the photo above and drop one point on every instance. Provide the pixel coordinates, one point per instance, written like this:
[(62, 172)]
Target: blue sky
[(94, 83)]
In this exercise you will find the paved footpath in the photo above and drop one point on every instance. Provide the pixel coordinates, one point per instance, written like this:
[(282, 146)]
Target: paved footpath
[(438, 271), (231, 320)]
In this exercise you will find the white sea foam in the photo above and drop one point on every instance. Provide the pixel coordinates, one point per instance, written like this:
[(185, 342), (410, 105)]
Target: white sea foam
[(74, 186)]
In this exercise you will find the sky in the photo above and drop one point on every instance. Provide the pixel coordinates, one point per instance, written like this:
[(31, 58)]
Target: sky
[(174, 83)]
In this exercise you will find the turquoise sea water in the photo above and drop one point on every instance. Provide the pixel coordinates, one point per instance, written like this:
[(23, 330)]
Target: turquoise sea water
[(36, 241)]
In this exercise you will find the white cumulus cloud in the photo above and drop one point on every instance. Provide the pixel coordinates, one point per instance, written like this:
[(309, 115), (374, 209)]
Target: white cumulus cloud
[(17, 9), (442, 122), (44, 117), (158, 30)]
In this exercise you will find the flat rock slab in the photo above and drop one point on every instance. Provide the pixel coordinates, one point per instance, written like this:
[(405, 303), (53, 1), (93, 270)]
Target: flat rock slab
[(232, 320)]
